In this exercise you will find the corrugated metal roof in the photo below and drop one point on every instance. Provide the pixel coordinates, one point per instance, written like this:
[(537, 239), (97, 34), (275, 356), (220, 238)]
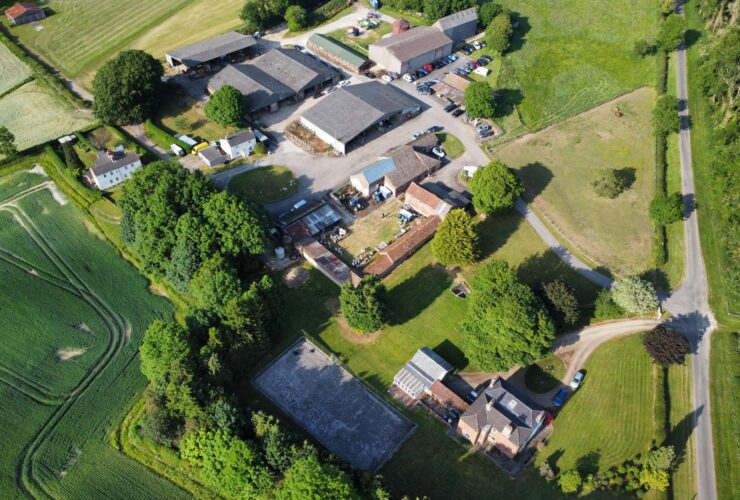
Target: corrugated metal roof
[(414, 42), (337, 49), (457, 19), (213, 48), (377, 170)]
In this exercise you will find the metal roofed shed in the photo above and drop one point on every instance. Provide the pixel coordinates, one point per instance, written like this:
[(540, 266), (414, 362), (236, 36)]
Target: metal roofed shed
[(276, 76), (348, 112), (337, 53), (212, 156), (459, 26), (218, 47), (418, 375), (411, 49)]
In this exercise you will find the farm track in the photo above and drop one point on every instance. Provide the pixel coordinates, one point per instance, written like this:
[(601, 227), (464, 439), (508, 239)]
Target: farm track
[(115, 325)]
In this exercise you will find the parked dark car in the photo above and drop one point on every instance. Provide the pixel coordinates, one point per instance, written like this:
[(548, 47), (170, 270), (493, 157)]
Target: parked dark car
[(560, 398), (458, 112), (433, 129), (450, 107)]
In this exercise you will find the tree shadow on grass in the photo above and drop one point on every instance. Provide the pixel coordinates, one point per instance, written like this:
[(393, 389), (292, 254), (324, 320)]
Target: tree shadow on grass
[(506, 100), (589, 464), (535, 177), (545, 267), (409, 298), (495, 231), (519, 35), (679, 436), (627, 175), (452, 354)]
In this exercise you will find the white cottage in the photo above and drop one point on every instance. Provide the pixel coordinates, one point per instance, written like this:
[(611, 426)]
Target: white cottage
[(239, 144), (112, 168)]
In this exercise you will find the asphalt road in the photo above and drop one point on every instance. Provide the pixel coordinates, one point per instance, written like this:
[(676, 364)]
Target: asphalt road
[(689, 303)]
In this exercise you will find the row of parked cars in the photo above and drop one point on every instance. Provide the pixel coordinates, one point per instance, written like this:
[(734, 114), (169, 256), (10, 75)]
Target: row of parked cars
[(428, 68), (469, 48), (470, 66)]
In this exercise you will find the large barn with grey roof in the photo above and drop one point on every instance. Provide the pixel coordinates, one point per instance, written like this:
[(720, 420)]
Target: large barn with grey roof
[(231, 45), (344, 116), (276, 76), (411, 49)]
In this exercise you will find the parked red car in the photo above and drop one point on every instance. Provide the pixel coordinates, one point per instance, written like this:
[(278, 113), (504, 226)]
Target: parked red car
[(429, 67)]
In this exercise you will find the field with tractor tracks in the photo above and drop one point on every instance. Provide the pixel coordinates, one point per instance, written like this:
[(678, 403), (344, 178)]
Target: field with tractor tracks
[(74, 313)]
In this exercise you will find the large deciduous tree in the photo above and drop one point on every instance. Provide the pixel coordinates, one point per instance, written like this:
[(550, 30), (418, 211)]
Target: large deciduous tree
[(635, 295), (126, 88), (499, 33), (214, 285), (670, 33), (456, 239), (164, 346), (296, 17), (479, 101), (363, 306), (228, 464), (226, 107), (309, 478), (666, 346), (495, 188), (488, 11), (562, 302), (506, 324)]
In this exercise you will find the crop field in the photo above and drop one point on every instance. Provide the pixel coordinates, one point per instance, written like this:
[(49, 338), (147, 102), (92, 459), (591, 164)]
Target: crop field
[(558, 164), (610, 418), (82, 34), (68, 360), (569, 56), (36, 114), (14, 71)]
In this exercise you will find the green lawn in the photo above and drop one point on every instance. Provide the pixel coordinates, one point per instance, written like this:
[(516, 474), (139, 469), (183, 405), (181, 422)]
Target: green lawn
[(264, 184), (680, 428), (370, 230), (611, 415), (181, 114), (451, 144), (69, 353), (567, 57), (725, 397), (14, 71), (558, 163), (361, 43), (36, 114)]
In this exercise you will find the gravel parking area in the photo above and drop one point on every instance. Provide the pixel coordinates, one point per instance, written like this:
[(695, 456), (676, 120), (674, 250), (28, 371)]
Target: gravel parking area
[(334, 407)]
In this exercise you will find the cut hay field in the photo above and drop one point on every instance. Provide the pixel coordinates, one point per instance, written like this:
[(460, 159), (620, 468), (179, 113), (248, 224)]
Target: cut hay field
[(83, 34), (610, 418), (569, 56), (36, 114), (558, 163), (74, 313), (14, 71)]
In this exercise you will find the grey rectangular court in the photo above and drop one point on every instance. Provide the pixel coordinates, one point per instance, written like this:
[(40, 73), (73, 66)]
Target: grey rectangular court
[(334, 407)]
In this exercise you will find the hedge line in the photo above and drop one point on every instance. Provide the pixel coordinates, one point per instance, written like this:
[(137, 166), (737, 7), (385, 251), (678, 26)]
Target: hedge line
[(39, 69), (162, 138), (660, 250), (57, 170)]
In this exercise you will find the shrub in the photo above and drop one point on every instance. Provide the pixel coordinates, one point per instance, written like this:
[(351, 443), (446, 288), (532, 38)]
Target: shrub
[(226, 107), (362, 306), (643, 48), (495, 188), (665, 115), (456, 239), (8, 148), (297, 17), (666, 209), (605, 307), (488, 12), (570, 481), (667, 347), (259, 149), (635, 295), (546, 471), (74, 166), (608, 183)]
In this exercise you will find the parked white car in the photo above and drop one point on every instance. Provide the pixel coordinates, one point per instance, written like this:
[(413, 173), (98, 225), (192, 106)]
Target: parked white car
[(408, 78), (439, 152), (576, 382), (387, 78)]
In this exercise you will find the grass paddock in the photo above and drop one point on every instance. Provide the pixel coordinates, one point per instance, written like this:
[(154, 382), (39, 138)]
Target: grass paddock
[(264, 184)]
